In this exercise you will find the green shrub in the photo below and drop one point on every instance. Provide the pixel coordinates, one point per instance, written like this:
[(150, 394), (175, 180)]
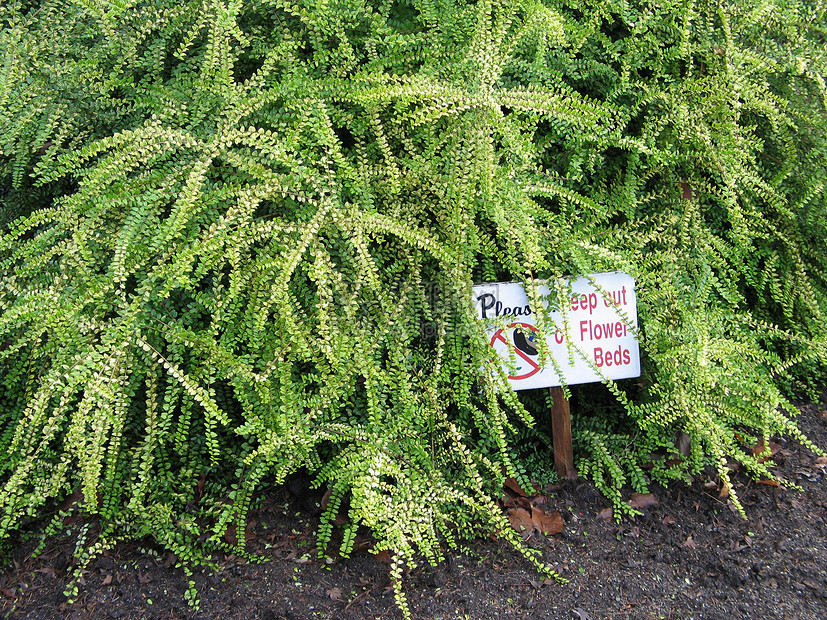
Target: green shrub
[(239, 239)]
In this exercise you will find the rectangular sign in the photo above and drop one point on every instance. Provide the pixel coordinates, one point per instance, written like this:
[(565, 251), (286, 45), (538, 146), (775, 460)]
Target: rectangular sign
[(593, 335)]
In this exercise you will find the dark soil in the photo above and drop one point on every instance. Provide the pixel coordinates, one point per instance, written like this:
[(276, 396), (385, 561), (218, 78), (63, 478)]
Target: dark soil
[(689, 556)]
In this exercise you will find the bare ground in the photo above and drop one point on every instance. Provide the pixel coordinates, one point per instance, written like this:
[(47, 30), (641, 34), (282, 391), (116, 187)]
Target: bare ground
[(688, 556)]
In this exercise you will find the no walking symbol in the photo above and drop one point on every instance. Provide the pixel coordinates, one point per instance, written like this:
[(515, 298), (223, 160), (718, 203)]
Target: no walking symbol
[(521, 345)]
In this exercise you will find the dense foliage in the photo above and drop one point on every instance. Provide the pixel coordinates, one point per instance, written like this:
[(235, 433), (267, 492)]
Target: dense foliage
[(238, 240)]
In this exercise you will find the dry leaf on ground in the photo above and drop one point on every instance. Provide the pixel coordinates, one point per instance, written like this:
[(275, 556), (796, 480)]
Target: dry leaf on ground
[(383, 556), (526, 522), (520, 520), (642, 500), (760, 451), (547, 523), (512, 485)]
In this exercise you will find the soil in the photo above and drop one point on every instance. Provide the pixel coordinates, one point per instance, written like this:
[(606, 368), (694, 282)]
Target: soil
[(688, 556)]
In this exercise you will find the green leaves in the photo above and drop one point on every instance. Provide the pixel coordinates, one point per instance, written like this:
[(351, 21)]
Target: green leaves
[(238, 239)]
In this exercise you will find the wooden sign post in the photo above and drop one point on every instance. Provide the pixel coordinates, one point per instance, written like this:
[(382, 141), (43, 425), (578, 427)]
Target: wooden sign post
[(594, 339), (561, 432)]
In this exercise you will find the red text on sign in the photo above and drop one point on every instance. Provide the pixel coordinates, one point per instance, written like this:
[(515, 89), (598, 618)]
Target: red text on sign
[(588, 301), (599, 331), (618, 357)]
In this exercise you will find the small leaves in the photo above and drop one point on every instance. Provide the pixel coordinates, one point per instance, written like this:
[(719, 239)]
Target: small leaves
[(229, 253)]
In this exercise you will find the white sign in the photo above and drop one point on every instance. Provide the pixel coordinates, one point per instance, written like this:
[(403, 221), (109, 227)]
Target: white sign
[(593, 336)]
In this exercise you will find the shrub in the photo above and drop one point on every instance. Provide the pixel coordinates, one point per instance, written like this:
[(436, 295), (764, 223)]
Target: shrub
[(239, 240)]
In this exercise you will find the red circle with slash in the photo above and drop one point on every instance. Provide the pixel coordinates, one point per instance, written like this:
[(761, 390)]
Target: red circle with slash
[(533, 367)]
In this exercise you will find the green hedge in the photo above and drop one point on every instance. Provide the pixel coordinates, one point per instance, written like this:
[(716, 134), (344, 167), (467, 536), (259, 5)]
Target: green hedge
[(237, 240)]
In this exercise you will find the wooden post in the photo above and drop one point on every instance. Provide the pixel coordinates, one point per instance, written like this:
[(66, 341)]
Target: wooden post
[(561, 432)]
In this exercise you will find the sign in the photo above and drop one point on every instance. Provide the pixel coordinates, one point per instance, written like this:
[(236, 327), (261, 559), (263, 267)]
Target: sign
[(593, 334)]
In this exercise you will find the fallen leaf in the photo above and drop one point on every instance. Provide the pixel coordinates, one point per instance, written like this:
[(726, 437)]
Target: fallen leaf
[(736, 546), (684, 443), (689, 543), (229, 535), (821, 462), (107, 580), (512, 485), (761, 453), (326, 499), (548, 524), (71, 501), (144, 578), (606, 514), (667, 520), (520, 520), (724, 492), (335, 594), (769, 483), (686, 191), (526, 522), (47, 571), (383, 556), (580, 614), (642, 500)]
